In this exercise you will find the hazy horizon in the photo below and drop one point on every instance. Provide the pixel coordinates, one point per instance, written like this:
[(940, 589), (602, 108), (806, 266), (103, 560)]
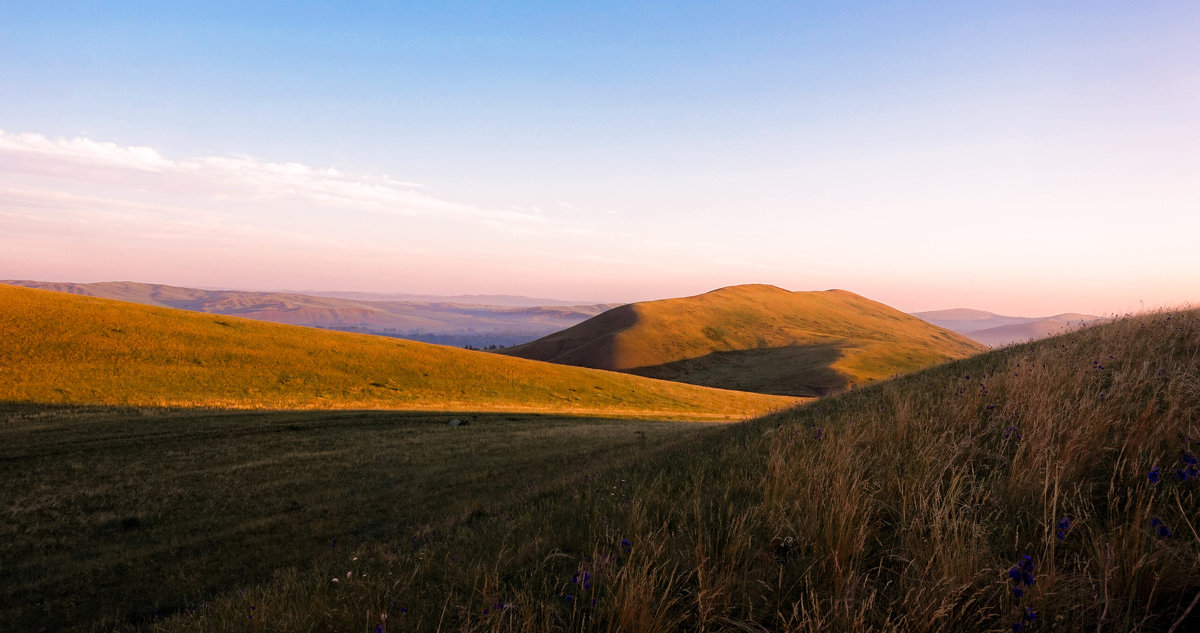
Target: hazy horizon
[(1019, 159)]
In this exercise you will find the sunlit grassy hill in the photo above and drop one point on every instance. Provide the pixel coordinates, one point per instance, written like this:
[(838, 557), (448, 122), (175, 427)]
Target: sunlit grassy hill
[(1050, 486), (755, 338), (68, 349)]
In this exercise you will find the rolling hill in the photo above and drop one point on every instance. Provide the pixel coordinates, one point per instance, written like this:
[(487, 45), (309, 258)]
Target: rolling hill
[(1049, 486), (445, 320), (997, 330), (68, 349), (755, 338)]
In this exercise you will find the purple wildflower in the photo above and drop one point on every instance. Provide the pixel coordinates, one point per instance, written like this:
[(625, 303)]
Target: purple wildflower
[(1062, 528)]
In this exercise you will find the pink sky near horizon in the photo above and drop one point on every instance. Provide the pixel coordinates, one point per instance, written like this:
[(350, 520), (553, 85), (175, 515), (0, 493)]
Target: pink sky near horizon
[(1024, 158), (87, 210)]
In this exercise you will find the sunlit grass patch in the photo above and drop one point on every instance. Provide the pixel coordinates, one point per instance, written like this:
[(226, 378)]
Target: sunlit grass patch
[(67, 349)]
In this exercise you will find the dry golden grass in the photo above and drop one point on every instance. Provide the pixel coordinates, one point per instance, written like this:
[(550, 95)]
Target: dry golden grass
[(65, 349), (756, 338), (903, 506)]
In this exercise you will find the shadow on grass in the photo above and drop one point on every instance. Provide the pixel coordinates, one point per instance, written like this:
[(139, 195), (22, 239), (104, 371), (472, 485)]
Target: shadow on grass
[(794, 370), (120, 515)]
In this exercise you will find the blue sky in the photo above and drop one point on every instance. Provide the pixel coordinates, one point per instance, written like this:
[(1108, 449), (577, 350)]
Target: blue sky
[(1018, 157)]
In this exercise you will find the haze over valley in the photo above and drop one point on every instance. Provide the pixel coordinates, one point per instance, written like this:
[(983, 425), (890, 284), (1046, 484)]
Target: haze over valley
[(455, 321), (478, 321)]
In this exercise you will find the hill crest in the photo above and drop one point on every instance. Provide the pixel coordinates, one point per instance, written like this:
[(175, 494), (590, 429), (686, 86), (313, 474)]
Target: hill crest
[(755, 337)]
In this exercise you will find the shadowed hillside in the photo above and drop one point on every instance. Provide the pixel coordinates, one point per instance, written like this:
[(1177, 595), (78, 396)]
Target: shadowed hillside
[(755, 338), (1050, 486), (67, 349)]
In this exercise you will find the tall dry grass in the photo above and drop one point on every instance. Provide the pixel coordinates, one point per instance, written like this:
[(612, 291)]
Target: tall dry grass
[(907, 506)]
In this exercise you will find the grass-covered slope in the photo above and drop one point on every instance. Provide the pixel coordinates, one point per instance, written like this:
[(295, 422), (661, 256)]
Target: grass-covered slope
[(1051, 486), (67, 349), (755, 338)]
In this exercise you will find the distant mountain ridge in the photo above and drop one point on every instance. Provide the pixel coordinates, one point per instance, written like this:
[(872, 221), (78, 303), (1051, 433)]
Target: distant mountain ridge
[(447, 323), (509, 301), (997, 330), (755, 338)]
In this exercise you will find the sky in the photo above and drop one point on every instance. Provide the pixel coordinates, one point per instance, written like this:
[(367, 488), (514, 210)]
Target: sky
[(1026, 158)]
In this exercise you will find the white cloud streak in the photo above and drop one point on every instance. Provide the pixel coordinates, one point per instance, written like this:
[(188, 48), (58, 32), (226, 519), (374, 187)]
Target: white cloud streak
[(227, 179)]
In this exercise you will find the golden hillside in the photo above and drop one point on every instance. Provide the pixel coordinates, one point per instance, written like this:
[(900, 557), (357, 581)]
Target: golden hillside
[(68, 349), (755, 338)]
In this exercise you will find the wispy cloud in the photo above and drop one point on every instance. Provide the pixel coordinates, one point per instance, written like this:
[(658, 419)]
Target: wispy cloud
[(81, 209), (232, 179)]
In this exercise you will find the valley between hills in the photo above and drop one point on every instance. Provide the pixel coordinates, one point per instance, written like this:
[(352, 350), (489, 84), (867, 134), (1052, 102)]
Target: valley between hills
[(659, 466)]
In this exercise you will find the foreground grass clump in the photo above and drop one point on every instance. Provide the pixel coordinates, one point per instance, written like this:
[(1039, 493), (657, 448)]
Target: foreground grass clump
[(59, 348), (1048, 486)]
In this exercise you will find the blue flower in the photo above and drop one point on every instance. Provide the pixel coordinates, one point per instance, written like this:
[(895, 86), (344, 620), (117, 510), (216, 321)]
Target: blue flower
[(1063, 527), (1022, 573), (1154, 475)]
